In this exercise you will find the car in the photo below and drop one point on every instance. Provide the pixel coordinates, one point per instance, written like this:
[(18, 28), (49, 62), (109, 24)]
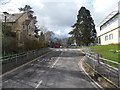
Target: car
[(56, 46), (73, 46), (61, 46)]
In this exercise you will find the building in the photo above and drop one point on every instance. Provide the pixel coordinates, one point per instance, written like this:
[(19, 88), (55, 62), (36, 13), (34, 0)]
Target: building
[(21, 23), (109, 29)]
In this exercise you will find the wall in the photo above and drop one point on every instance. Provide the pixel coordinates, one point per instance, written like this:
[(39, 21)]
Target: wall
[(32, 28), (105, 32), (20, 21), (114, 40)]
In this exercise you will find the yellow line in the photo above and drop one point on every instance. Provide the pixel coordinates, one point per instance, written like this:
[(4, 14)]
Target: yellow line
[(100, 74), (103, 76), (94, 82), (23, 65)]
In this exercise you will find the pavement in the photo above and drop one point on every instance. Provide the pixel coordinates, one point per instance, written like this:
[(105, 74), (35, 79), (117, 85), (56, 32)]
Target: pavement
[(58, 69)]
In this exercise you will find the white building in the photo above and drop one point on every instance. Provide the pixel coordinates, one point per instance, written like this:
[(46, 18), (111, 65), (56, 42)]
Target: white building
[(109, 29)]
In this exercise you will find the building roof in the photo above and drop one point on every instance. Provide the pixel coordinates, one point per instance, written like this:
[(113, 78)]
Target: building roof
[(10, 17), (112, 14)]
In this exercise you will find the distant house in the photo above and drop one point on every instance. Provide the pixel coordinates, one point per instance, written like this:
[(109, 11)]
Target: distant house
[(109, 29), (21, 23)]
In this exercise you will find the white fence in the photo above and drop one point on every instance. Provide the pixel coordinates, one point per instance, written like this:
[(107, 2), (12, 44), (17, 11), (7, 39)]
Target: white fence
[(100, 65)]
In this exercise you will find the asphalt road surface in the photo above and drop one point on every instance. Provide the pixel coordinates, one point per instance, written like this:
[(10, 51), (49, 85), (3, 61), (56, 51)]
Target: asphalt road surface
[(58, 69)]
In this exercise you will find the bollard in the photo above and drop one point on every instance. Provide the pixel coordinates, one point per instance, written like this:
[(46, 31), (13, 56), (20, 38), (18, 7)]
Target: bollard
[(16, 58), (98, 59), (27, 54)]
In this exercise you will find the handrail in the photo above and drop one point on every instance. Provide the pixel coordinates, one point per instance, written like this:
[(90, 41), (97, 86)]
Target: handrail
[(104, 63), (17, 55), (103, 59), (108, 60)]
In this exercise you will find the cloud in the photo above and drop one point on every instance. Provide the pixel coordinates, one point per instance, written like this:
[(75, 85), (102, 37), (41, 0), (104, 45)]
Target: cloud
[(11, 7), (60, 15), (101, 8), (61, 31)]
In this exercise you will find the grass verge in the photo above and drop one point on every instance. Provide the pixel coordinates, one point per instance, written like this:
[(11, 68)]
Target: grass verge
[(107, 52)]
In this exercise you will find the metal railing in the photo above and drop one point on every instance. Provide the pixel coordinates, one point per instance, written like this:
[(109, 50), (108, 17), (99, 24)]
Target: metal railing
[(103, 67), (13, 61)]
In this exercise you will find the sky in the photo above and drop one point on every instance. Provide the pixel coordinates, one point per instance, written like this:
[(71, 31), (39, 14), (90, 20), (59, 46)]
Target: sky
[(59, 15)]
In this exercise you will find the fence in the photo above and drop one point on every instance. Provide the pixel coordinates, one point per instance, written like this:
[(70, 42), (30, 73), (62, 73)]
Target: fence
[(100, 65), (9, 63)]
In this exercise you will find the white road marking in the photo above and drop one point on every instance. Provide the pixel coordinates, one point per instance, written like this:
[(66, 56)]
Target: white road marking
[(52, 67), (6, 81), (56, 60), (38, 84)]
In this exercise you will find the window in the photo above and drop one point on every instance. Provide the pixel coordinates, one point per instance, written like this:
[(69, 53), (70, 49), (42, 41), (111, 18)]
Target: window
[(23, 27), (28, 27), (110, 36), (106, 38), (110, 21), (119, 34)]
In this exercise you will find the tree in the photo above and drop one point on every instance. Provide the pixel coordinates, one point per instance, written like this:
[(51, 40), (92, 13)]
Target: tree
[(49, 35), (84, 29), (70, 41), (36, 30), (27, 8)]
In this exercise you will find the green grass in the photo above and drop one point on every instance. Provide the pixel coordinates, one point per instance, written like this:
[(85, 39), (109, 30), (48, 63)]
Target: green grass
[(107, 52)]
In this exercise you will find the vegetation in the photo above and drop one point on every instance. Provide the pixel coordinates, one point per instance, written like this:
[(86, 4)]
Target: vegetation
[(6, 30), (70, 40), (11, 44), (84, 29), (107, 51)]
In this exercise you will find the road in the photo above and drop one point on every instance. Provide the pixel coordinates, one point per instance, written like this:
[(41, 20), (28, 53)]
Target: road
[(58, 69)]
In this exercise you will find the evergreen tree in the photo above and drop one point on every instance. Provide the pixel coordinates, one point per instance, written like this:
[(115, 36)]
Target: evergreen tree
[(84, 29), (27, 8)]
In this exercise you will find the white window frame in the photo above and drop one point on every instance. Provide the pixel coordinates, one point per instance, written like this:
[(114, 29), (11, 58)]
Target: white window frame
[(110, 36), (119, 34), (106, 38)]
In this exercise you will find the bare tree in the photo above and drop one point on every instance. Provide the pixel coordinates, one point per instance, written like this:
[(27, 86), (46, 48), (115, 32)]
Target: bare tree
[(49, 35)]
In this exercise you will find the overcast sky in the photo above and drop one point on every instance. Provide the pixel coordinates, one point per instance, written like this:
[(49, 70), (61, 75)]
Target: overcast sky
[(60, 15)]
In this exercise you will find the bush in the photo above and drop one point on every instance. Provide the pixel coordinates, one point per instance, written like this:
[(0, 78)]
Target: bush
[(7, 31), (9, 45)]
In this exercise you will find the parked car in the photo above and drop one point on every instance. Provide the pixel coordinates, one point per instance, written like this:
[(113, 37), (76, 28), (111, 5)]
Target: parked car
[(56, 46), (73, 46)]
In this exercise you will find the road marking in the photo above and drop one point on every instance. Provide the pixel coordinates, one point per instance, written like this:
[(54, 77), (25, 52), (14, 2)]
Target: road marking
[(52, 67), (23, 65), (38, 84), (94, 82), (56, 60)]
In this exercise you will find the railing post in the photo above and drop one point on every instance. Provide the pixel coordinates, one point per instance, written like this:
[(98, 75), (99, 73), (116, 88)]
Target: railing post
[(27, 54), (119, 74), (98, 59), (16, 58)]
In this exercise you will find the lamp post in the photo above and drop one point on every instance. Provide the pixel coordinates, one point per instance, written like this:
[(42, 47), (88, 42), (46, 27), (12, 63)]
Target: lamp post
[(5, 15)]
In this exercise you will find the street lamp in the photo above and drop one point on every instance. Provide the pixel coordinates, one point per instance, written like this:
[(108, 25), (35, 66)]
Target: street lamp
[(5, 14)]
